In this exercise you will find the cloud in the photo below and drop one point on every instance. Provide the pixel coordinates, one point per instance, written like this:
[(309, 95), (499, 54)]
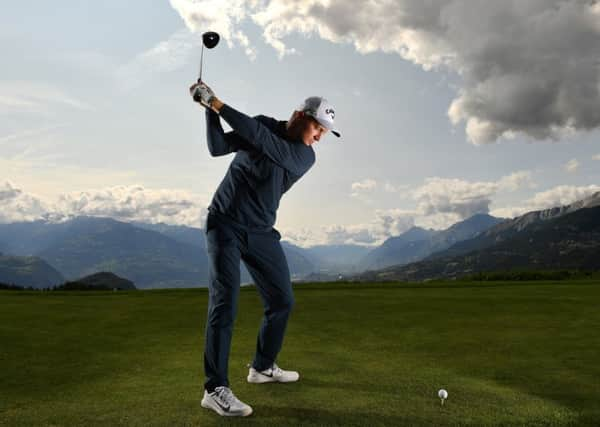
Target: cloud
[(437, 221), (454, 196), (561, 195), (19, 96), (363, 188), (185, 44), (516, 180), (558, 196), (220, 16), (364, 185), (510, 211), (30, 133), (388, 187), (571, 166), (8, 192), (527, 67), (596, 157), (168, 55), (368, 188), (440, 202), (385, 224), (125, 203), (354, 234), (136, 203), (448, 200), (15, 205)]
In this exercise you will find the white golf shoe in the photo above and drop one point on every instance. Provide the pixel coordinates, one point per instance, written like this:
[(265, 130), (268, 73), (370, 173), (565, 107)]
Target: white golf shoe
[(273, 374), (224, 403)]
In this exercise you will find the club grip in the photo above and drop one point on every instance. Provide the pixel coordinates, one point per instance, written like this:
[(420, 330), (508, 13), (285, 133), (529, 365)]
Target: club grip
[(196, 96)]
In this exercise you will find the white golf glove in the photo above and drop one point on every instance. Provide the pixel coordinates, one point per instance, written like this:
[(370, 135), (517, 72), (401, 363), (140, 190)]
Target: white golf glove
[(202, 94)]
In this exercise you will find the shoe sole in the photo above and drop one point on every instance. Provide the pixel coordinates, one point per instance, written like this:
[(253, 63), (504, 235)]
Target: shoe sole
[(262, 379), (220, 411)]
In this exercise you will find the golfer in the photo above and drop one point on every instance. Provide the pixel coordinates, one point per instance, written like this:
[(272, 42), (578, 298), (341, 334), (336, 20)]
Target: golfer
[(270, 157)]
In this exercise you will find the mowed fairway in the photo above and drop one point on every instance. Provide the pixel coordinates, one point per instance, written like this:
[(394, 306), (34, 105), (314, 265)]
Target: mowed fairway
[(508, 354)]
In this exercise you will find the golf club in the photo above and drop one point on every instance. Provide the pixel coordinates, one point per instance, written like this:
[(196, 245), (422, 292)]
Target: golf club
[(209, 39)]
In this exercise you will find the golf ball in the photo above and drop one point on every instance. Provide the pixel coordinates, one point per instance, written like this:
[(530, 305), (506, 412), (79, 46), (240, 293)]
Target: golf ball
[(443, 394)]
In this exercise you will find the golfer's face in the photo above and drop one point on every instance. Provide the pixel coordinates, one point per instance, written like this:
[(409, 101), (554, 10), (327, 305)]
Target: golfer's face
[(312, 131)]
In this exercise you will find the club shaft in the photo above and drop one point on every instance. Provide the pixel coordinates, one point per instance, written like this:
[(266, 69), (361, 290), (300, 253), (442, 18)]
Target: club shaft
[(201, 58)]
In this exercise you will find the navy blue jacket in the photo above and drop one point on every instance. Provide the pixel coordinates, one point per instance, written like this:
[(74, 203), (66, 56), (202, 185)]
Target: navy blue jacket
[(265, 166)]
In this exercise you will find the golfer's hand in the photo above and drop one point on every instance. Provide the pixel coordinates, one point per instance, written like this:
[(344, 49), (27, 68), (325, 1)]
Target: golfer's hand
[(201, 93)]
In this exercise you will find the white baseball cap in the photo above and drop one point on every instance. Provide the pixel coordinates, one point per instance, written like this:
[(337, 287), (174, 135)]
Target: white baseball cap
[(321, 110)]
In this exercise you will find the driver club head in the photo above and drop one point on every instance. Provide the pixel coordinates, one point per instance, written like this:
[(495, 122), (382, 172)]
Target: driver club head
[(210, 39)]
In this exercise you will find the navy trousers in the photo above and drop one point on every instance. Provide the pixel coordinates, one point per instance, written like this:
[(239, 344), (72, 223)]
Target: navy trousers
[(227, 244)]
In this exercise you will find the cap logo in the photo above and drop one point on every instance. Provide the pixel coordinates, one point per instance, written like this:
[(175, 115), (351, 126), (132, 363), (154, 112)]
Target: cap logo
[(330, 112)]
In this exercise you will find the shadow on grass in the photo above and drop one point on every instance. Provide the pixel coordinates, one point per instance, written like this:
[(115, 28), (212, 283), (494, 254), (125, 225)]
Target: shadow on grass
[(323, 417), (344, 385)]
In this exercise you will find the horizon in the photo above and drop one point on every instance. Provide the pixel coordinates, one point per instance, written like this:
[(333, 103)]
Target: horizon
[(96, 119), (369, 246)]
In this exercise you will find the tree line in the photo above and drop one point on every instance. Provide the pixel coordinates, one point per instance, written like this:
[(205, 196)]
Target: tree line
[(67, 286)]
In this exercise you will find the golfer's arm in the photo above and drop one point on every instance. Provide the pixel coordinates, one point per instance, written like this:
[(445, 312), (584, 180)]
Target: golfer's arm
[(295, 159), (219, 142)]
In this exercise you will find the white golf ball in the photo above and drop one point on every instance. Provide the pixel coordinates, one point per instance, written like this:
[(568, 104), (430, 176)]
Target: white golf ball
[(443, 394)]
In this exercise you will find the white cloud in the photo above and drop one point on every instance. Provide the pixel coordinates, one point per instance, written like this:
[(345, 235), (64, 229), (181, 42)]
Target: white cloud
[(438, 221), (517, 180), (510, 211), (440, 202), (527, 67), (364, 186), (354, 234), (596, 157), (388, 187), (125, 203), (385, 224), (572, 166), (561, 195), (454, 196), (136, 203), (185, 44), (368, 188), (558, 196), (443, 201), (220, 16), (19, 96), (15, 205)]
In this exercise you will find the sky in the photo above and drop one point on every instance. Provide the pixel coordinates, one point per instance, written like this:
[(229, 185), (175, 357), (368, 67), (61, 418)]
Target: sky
[(446, 108)]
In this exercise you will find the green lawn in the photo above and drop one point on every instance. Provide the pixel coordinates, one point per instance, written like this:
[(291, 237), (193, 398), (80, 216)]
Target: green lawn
[(508, 354)]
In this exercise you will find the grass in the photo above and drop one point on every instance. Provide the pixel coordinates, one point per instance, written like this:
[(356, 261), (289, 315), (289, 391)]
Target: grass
[(373, 355)]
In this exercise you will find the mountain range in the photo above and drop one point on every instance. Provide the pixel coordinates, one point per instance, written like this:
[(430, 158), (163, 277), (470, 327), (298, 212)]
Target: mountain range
[(510, 228), (150, 255), (32, 271), (160, 255), (566, 237), (100, 281), (418, 243)]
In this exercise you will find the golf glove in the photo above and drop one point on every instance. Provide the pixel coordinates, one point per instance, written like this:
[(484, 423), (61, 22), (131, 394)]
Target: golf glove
[(202, 94)]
